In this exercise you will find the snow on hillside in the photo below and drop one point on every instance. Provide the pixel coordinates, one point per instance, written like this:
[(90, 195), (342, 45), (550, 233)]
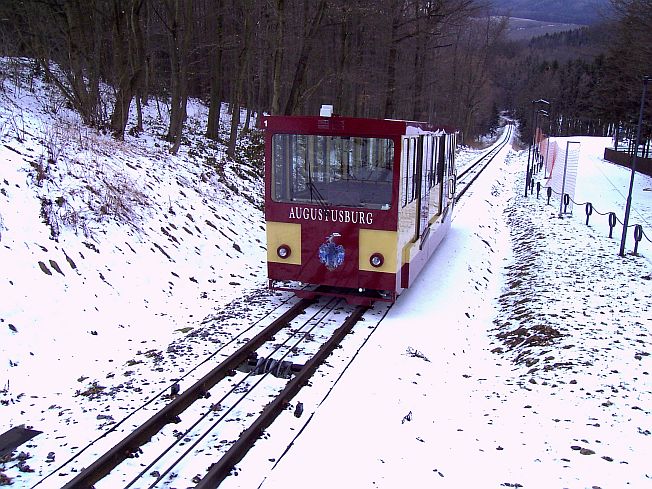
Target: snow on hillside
[(110, 250)]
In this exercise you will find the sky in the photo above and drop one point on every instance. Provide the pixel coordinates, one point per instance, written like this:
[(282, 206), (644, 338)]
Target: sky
[(520, 358)]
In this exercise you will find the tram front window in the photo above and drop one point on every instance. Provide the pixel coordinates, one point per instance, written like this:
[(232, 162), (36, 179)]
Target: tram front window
[(332, 170)]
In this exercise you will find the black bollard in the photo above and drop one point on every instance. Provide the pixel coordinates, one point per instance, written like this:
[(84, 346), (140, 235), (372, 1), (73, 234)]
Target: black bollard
[(612, 223), (549, 192), (589, 211), (638, 236)]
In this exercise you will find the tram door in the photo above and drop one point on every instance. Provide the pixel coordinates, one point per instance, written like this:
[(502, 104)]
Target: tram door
[(442, 173), (425, 158)]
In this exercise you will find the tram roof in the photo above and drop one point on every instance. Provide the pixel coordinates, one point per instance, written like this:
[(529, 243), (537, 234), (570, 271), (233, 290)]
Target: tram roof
[(349, 126)]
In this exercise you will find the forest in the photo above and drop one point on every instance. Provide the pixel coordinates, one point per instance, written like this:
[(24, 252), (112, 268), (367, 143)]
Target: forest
[(445, 61), (593, 77)]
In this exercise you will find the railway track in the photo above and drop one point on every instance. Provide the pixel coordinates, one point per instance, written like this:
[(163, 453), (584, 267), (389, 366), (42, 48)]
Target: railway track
[(466, 178), (206, 429)]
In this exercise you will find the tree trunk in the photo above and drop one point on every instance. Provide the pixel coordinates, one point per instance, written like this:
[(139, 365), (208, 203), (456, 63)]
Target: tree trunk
[(128, 60), (302, 65), (215, 105), (418, 100), (243, 58), (233, 133), (345, 42), (278, 57), (391, 62), (179, 36), (79, 76)]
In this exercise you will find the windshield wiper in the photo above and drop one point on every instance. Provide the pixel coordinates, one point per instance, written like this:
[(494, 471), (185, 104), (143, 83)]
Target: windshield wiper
[(315, 194)]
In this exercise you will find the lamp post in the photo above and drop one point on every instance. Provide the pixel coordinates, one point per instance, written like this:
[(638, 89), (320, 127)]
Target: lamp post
[(536, 154), (548, 145), (628, 207), (527, 170)]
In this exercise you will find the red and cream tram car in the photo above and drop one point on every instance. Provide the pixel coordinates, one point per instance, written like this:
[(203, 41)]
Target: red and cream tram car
[(354, 207)]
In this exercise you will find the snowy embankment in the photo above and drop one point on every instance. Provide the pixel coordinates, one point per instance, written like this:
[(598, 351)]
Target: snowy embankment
[(521, 357), (110, 252)]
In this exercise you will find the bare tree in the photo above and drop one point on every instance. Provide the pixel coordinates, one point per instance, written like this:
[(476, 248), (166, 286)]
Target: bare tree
[(419, 22), (69, 34), (475, 43), (242, 62), (278, 56), (308, 40), (373, 58), (178, 20), (215, 55), (128, 60)]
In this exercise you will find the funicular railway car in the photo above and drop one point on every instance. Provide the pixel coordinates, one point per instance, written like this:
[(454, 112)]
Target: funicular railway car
[(354, 207)]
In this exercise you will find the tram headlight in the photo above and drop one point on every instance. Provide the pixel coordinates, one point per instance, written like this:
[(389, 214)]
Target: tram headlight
[(377, 260), (283, 251)]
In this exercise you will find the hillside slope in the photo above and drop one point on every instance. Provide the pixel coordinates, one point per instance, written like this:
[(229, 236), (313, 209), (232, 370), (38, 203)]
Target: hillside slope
[(122, 246)]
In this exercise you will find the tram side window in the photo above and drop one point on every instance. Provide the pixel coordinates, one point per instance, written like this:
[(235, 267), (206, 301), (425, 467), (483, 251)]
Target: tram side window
[(332, 170), (280, 180), (429, 151), (409, 165), (405, 151), (442, 159), (413, 169), (451, 154), (425, 154)]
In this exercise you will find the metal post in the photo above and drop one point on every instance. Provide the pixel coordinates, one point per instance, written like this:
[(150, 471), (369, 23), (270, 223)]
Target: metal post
[(628, 207), (534, 143), (563, 181), (529, 150), (547, 152), (544, 113), (550, 128)]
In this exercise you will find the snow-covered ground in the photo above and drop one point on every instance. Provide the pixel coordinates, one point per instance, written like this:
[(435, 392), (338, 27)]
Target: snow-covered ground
[(534, 338), (520, 358), (148, 246)]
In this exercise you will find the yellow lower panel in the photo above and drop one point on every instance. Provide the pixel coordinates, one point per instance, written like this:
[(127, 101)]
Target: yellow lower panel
[(284, 233), (374, 241), (407, 253)]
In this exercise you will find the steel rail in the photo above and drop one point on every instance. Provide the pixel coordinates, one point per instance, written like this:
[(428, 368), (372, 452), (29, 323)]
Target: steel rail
[(496, 148), (489, 155), (188, 374), (169, 414), (221, 469), (324, 309)]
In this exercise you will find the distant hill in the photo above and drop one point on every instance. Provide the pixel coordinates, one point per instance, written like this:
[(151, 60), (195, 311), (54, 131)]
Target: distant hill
[(520, 29), (583, 12)]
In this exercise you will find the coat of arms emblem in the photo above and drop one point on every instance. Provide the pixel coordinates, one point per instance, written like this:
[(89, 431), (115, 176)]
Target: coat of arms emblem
[(331, 254)]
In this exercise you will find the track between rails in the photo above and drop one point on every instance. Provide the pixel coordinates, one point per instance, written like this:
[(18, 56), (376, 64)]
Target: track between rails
[(466, 178), (220, 470), (130, 446)]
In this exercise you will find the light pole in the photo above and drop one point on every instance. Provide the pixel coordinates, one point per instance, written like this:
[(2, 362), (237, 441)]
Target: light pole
[(536, 154), (545, 159), (628, 207), (527, 170)]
